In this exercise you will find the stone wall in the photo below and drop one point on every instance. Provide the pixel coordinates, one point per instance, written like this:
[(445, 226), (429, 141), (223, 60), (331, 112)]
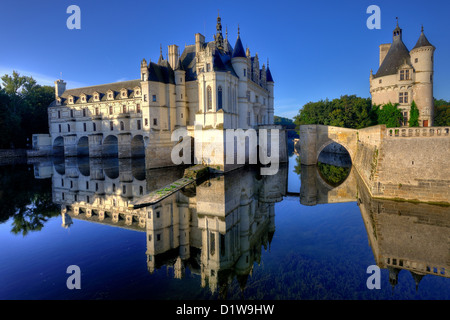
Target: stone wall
[(403, 165)]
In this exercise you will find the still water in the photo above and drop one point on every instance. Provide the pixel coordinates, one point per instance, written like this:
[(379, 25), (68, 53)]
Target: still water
[(304, 233)]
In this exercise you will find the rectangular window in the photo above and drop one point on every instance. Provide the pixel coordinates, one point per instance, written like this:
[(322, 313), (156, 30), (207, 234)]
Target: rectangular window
[(138, 124), (146, 122), (84, 127), (138, 108), (402, 74), (59, 128), (111, 125), (59, 114), (155, 122), (403, 97), (97, 111), (407, 74), (110, 110), (245, 72), (124, 109), (208, 67), (84, 112), (154, 98)]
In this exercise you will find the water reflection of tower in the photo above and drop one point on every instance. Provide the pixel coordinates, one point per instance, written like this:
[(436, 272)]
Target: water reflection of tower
[(217, 228), (407, 236)]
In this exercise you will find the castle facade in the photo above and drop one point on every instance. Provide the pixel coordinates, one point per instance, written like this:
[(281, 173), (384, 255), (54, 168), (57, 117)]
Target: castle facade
[(405, 76)]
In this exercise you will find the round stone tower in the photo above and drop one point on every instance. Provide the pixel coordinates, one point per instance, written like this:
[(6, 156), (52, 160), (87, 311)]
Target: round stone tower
[(422, 59)]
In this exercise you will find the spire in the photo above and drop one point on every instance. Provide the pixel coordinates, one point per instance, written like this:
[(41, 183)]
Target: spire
[(422, 41), (161, 58), (238, 51), (397, 31), (268, 73), (218, 38)]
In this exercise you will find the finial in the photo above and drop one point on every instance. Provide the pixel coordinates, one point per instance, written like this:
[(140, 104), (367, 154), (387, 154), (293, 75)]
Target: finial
[(422, 29), (239, 31), (218, 13), (226, 32), (160, 48), (267, 63)]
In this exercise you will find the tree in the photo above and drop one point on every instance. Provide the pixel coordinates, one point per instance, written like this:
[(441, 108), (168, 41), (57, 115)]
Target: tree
[(23, 109), (347, 111), (390, 115), (441, 113), (413, 115)]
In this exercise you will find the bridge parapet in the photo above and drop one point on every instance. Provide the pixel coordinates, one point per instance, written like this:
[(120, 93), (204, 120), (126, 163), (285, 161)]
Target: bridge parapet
[(417, 132)]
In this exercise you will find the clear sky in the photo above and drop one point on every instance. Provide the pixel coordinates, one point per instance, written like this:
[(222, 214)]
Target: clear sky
[(317, 49)]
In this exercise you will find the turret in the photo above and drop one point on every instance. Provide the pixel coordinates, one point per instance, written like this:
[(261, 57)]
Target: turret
[(199, 42), (270, 87), (238, 59), (422, 59), (180, 91)]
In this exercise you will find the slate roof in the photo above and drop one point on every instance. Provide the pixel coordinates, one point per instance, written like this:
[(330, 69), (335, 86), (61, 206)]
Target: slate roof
[(101, 89), (422, 42), (397, 55), (239, 49)]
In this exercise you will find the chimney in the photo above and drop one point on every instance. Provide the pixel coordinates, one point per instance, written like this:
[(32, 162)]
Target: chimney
[(60, 87), (199, 41), (384, 48), (173, 56)]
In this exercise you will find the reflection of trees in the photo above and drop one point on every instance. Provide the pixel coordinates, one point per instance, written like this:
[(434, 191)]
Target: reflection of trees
[(332, 174), (33, 216), (27, 200), (298, 166)]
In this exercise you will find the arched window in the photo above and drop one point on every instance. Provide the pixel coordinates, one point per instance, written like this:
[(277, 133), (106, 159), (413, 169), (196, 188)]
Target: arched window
[(219, 98), (209, 97)]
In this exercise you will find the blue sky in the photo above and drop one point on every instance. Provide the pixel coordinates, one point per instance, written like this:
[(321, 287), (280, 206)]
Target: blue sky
[(317, 49)]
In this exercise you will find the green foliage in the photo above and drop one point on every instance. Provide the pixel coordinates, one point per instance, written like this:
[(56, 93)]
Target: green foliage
[(347, 111), (441, 113), (332, 174), (414, 115), (23, 109), (288, 124), (390, 115)]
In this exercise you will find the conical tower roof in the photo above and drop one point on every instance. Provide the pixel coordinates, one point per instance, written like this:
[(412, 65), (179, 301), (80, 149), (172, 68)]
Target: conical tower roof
[(238, 51), (423, 41), (397, 55)]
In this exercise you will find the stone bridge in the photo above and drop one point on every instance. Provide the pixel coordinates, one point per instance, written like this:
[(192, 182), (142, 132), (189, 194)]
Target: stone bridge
[(394, 163)]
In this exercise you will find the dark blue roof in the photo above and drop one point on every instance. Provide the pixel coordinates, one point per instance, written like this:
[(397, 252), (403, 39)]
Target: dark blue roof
[(269, 75), (238, 51)]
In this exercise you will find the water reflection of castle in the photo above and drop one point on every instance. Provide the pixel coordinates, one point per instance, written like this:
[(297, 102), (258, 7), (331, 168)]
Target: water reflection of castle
[(216, 228), (408, 236)]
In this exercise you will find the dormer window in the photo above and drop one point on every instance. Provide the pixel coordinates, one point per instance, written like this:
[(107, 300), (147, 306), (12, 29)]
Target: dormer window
[(110, 94), (96, 96), (405, 74), (124, 93), (71, 99)]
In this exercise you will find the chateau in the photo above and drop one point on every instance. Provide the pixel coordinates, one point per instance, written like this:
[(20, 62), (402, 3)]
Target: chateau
[(405, 76), (210, 85)]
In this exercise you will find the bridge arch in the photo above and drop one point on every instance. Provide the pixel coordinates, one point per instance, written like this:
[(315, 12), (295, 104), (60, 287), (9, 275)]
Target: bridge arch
[(315, 138), (58, 146), (83, 147), (110, 146), (137, 146)]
